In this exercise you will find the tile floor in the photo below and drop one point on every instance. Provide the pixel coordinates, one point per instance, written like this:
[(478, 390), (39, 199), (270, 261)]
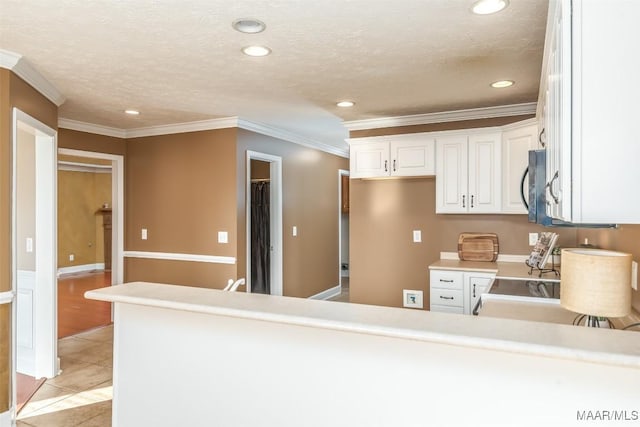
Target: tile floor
[(81, 394)]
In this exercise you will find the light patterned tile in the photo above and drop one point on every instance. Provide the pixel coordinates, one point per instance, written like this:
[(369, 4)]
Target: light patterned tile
[(102, 334), (46, 395), (72, 411), (82, 376)]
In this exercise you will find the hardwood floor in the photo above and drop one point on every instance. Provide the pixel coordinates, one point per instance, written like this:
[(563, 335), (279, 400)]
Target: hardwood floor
[(77, 314)]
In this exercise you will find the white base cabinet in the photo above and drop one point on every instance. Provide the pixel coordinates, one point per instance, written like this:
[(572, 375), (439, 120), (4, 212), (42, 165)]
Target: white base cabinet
[(458, 292)]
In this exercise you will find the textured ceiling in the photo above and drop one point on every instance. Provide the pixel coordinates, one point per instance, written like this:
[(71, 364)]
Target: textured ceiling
[(180, 60)]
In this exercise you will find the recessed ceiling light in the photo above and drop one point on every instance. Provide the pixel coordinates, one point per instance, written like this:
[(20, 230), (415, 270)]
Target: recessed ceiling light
[(256, 50), (248, 25), (502, 83), (132, 112), (487, 7), (346, 104)]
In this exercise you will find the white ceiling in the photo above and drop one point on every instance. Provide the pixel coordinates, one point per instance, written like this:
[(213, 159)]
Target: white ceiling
[(180, 61)]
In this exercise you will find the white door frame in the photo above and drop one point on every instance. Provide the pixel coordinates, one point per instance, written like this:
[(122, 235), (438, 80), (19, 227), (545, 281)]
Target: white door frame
[(341, 173), (117, 207), (275, 203), (45, 323)]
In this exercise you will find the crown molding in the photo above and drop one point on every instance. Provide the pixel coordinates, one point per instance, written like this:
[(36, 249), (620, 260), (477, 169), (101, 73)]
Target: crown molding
[(23, 69), (197, 126), (291, 137), (202, 125), (91, 128), (445, 116)]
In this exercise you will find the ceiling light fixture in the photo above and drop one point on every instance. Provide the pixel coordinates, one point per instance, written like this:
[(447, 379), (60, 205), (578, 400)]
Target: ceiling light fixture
[(132, 112), (346, 104), (256, 50), (502, 83), (487, 7), (248, 25)]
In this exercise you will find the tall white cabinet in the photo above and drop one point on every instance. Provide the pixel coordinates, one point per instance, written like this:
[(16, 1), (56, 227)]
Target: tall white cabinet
[(517, 140), (468, 174), (588, 104)]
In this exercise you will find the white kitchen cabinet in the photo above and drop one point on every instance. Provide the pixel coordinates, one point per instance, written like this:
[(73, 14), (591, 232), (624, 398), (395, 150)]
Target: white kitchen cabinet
[(400, 155), (475, 284), (588, 103), (468, 175), (455, 291), (517, 140)]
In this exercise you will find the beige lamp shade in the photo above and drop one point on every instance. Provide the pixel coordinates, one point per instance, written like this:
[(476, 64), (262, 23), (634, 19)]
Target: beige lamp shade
[(596, 282)]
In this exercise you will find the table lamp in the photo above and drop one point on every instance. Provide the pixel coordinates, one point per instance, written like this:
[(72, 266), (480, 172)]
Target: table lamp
[(596, 283)]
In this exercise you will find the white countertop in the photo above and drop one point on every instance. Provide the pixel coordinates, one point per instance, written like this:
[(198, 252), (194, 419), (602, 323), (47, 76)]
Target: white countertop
[(611, 347), (502, 269)]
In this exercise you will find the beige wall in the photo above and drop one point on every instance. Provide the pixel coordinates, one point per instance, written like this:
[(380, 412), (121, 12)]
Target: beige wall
[(310, 202), (14, 92), (181, 188), (384, 259), (26, 200), (625, 239), (80, 231), (77, 140)]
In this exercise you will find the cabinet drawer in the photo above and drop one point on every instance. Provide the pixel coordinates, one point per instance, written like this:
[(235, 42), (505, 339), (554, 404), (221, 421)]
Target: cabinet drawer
[(447, 309), (450, 297), (446, 279)]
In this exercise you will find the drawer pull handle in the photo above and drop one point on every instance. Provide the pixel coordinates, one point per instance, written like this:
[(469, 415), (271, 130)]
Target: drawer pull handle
[(447, 280), (441, 297)]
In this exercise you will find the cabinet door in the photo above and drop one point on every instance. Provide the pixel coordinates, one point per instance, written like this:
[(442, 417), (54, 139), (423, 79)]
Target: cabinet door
[(451, 174), (369, 159), (516, 144), (413, 158), (475, 285), (484, 173)]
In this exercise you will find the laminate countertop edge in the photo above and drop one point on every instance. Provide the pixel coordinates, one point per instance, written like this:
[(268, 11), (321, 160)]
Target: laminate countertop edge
[(611, 347)]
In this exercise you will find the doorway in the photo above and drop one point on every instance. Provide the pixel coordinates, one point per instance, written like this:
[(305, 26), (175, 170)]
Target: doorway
[(33, 246), (264, 223), (85, 233), (343, 232)]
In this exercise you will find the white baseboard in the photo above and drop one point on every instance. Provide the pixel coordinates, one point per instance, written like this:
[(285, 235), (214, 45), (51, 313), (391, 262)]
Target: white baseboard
[(329, 293), (5, 419), (80, 268)]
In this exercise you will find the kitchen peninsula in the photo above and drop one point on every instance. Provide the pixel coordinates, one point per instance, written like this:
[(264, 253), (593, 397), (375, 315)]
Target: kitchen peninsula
[(205, 356)]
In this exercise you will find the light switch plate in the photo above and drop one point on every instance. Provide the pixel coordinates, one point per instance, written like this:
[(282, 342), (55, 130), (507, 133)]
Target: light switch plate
[(29, 244), (412, 298), (223, 237), (143, 234), (294, 231), (634, 275), (417, 236)]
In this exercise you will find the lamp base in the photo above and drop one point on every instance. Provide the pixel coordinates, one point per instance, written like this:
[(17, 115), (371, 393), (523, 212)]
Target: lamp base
[(592, 321)]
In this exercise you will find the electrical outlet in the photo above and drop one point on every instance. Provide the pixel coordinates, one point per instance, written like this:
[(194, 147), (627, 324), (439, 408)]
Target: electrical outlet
[(223, 237), (72, 257), (634, 275), (294, 231), (533, 239), (143, 234), (411, 298)]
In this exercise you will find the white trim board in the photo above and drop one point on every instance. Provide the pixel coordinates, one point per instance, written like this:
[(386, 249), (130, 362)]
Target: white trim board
[(445, 116), (80, 268), (181, 257), (5, 418), (328, 293), (23, 69), (6, 297), (64, 165)]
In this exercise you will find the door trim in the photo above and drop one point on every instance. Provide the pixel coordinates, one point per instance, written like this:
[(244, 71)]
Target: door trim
[(275, 171), (45, 322), (117, 207)]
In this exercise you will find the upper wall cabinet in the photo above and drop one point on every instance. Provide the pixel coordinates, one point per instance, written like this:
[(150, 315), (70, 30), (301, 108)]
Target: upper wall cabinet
[(468, 175), (401, 155), (517, 140), (588, 103)]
